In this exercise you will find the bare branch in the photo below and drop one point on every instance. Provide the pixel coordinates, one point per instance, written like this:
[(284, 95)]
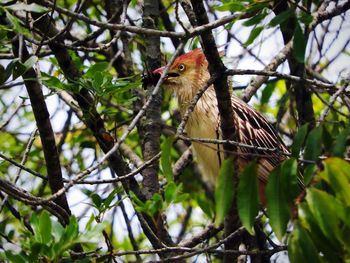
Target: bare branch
[(47, 137)]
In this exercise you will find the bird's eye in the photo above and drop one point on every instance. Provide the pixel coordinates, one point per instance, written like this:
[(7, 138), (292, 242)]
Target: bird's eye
[(181, 67)]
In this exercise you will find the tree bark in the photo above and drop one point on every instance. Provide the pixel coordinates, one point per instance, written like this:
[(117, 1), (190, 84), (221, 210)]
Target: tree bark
[(227, 118), (42, 118), (151, 123)]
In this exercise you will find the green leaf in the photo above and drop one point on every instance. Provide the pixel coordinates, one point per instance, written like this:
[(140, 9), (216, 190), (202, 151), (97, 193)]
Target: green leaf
[(301, 248), (328, 138), (88, 225), (165, 158), (17, 258), (277, 205), (92, 233), (72, 230), (16, 24), (337, 175), (180, 197), (299, 44), (233, 6), (69, 238), (324, 209), (45, 227), (306, 19), (170, 192), (253, 35), (340, 143), (9, 68), (205, 204), (97, 84), (299, 139), (29, 63), (308, 222), (29, 8), (256, 6), (34, 221), (53, 82), (35, 250), (120, 87), (155, 204), (255, 19), (267, 92), (3, 33), (309, 173), (98, 67), (57, 230), (110, 197), (151, 206), (18, 70), (137, 201), (96, 199), (289, 173), (224, 191), (50, 81), (313, 144), (247, 196), (282, 17)]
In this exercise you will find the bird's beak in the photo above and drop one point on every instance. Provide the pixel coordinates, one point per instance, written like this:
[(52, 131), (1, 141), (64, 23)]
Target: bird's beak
[(154, 77), (170, 74), (158, 71)]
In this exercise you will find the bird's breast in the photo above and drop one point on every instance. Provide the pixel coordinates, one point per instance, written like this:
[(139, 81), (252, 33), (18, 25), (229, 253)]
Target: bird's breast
[(204, 123)]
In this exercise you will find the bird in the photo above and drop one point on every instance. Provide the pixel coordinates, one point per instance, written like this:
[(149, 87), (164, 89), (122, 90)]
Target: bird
[(189, 73)]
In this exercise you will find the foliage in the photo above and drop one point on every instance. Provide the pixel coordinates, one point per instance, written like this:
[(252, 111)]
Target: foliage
[(81, 64), (224, 191), (323, 223), (51, 241)]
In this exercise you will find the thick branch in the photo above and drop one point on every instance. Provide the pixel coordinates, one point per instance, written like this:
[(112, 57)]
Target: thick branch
[(217, 69), (302, 95), (151, 124), (227, 118), (42, 118), (95, 123), (21, 195)]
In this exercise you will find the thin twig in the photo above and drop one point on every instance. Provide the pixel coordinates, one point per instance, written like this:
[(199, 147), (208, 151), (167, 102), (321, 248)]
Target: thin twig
[(332, 101)]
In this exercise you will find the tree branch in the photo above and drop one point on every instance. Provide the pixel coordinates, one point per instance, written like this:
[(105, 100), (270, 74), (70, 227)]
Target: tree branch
[(256, 83), (152, 121), (21, 195), (42, 118), (227, 119), (302, 95)]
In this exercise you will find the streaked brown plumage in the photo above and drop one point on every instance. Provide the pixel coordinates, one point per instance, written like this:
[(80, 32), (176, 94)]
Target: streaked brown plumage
[(186, 76)]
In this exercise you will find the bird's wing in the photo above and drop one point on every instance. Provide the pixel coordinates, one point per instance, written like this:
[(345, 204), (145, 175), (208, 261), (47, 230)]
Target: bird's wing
[(255, 130)]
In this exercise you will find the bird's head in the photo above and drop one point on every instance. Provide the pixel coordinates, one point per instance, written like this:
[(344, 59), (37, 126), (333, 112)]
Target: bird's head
[(187, 74)]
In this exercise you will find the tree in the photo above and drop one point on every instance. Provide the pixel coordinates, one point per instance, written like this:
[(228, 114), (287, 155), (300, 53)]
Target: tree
[(94, 167)]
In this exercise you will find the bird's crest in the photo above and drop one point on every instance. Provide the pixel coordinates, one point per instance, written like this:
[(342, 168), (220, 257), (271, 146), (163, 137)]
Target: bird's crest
[(195, 56)]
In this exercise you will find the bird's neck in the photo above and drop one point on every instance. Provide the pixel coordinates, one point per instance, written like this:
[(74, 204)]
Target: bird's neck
[(186, 98)]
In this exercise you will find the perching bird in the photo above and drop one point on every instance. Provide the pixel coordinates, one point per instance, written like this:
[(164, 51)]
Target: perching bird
[(186, 76)]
